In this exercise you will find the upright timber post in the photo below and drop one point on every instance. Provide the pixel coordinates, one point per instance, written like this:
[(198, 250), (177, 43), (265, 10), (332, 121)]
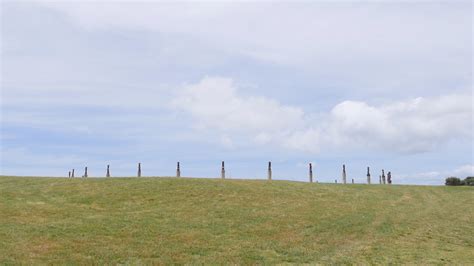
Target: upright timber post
[(383, 176), (368, 175), (222, 170), (108, 171), (72, 174), (352, 180), (139, 174), (269, 170), (178, 170), (380, 179), (69, 174), (85, 172), (344, 173), (310, 173)]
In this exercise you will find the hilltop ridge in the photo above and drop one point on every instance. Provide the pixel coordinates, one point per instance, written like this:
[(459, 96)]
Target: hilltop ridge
[(194, 220)]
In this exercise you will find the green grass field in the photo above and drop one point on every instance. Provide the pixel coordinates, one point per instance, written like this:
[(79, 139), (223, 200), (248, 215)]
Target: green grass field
[(212, 221)]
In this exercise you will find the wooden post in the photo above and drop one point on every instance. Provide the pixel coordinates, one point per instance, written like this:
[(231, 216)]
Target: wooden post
[(269, 171), (222, 170), (310, 173), (108, 171), (178, 170), (383, 176), (368, 175), (139, 174), (69, 174), (335, 181), (72, 174), (85, 172), (344, 173), (352, 180), (380, 179)]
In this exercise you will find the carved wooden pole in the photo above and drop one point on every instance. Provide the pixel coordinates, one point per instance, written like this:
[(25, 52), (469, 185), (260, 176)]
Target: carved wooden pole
[(310, 173), (85, 172), (352, 180), (380, 179), (383, 176), (368, 175), (389, 178), (108, 171), (335, 181), (69, 175), (139, 174), (344, 173), (269, 170), (178, 170), (72, 174), (222, 170)]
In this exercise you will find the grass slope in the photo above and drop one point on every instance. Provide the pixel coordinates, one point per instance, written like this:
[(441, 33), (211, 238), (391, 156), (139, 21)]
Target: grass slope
[(169, 220)]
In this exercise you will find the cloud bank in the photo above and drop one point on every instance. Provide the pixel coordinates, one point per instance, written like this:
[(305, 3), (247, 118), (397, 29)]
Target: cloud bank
[(409, 126), (369, 83)]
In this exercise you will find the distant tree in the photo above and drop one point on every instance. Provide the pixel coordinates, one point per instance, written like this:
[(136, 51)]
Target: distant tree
[(453, 181), (468, 181)]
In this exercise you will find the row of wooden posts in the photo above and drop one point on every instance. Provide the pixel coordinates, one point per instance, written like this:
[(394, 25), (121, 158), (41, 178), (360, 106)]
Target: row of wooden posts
[(382, 178)]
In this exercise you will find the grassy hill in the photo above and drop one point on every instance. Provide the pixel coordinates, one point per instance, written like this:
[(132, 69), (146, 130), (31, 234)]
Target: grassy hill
[(169, 220)]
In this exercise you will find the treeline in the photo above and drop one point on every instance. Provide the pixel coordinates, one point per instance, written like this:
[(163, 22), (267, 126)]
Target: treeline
[(454, 181)]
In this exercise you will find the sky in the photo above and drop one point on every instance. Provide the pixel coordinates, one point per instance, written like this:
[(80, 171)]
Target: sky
[(379, 84)]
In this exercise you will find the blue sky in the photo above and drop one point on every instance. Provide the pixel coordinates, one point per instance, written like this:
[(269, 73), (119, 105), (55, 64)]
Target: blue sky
[(380, 84)]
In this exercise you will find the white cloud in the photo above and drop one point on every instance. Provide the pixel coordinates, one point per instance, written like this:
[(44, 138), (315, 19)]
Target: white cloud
[(362, 43), (215, 103), (410, 126), (464, 170), (414, 125), (99, 70)]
